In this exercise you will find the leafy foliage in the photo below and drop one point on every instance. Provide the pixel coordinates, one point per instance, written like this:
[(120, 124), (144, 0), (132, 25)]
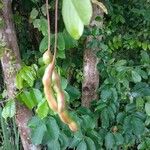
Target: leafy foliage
[(120, 118)]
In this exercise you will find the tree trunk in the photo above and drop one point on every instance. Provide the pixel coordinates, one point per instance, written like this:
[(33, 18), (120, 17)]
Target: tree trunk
[(11, 64), (91, 74)]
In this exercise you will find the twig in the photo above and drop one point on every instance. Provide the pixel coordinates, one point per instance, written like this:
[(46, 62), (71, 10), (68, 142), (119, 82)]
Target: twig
[(56, 30), (48, 24)]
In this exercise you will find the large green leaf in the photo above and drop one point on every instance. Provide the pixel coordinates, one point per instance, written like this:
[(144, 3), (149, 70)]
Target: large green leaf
[(84, 9), (53, 129), (9, 110), (71, 19)]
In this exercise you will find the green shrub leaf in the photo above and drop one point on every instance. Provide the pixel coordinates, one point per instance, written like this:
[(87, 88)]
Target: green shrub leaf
[(9, 110), (147, 108)]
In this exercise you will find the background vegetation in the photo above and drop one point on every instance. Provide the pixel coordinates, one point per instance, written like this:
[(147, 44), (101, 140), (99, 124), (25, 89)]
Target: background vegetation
[(120, 117)]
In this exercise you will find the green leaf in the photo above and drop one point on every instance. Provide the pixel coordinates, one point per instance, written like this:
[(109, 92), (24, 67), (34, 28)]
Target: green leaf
[(64, 83), (73, 23), (120, 63), (69, 41), (145, 57), (106, 94), (139, 103), (100, 107), (53, 128), (90, 144), (61, 41), (19, 82), (119, 138), (54, 145), (84, 10), (44, 44), (73, 92), (144, 46), (82, 146), (135, 76), (25, 97), (9, 110), (61, 54), (28, 75), (64, 141), (96, 137), (88, 122), (67, 97), (37, 134), (130, 107), (42, 109), (36, 95), (109, 141), (35, 122), (137, 126), (74, 142), (43, 9), (147, 108), (120, 117), (41, 24), (34, 13), (105, 118)]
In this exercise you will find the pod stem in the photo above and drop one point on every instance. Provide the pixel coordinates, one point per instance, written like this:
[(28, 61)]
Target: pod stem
[(48, 25)]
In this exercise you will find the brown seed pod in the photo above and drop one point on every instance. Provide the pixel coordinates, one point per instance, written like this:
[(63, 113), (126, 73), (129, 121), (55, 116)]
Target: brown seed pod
[(59, 92), (65, 118), (51, 99), (73, 126), (47, 80), (47, 57)]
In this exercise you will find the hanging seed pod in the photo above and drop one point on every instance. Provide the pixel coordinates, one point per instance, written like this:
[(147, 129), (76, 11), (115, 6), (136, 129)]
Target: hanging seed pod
[(47, 81), (73, 126), (47, 57), (59, 92), (65, 118)]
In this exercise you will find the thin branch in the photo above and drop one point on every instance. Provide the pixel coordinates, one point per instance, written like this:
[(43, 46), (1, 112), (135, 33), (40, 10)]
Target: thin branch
[(56, 30), (48, 24)]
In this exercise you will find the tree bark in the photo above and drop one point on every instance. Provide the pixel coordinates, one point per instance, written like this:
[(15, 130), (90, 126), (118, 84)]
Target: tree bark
[(11, 63), (91, 75)]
